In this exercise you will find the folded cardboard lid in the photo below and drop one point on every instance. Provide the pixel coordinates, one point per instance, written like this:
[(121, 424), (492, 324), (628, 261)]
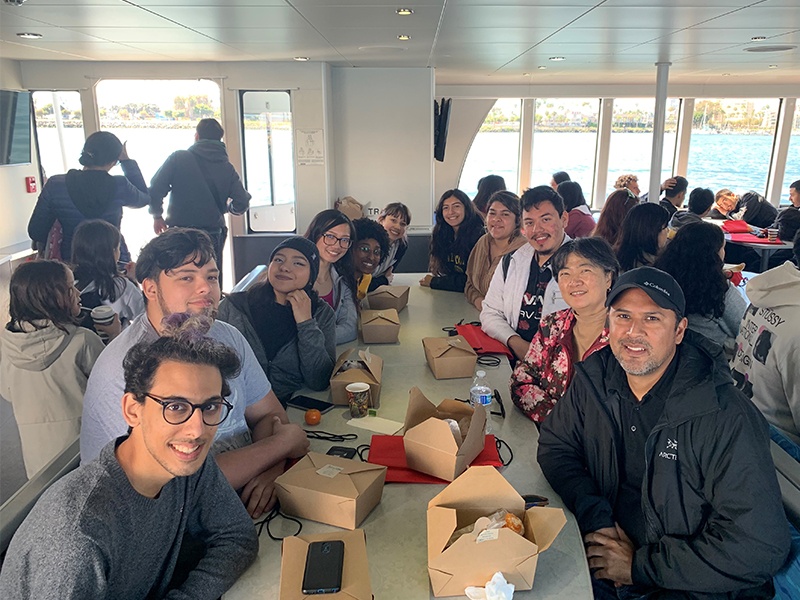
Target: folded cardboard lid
[(352, 480), (452, 346), (479, 487), (372, 362), (383, 317), (546, 523), (394, 291), (421, 409)]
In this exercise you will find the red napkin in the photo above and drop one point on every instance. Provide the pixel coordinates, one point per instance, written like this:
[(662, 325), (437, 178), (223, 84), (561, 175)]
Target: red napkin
[(388, 450), (735, 226), (752, 239), (482, 343)]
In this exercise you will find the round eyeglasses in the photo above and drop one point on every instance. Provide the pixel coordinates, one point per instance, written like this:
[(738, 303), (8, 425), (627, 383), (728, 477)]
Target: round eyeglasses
[(367, 250), (330, 240), (180, 410)]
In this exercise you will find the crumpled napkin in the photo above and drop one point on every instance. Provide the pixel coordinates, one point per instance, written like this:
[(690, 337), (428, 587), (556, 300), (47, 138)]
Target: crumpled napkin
[(497, 588)]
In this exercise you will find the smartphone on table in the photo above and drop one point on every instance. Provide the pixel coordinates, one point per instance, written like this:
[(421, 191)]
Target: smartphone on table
[(307, 402), (324, 562)]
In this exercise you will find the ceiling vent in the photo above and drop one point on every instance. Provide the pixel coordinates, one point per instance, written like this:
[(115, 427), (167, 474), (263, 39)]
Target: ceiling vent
[(762, 49)]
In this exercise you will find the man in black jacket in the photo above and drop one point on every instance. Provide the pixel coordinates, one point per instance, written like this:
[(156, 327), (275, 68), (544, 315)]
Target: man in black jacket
[(664, 463), (203, 186)]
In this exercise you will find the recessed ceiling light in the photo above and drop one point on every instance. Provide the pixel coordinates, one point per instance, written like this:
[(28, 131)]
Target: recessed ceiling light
[(403, 37), (29, 36), (757, 38), (301, 58), (557, 58), (773, 66), (541, 67), (404, 12)]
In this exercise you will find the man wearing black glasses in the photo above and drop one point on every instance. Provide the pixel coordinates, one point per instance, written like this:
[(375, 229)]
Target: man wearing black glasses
[(114, 527)]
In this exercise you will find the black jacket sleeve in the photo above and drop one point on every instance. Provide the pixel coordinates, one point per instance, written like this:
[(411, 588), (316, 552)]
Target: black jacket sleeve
[(562, 457)]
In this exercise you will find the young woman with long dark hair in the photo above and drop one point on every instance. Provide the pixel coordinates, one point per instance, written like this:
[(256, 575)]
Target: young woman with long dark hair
[(457, 230), (643, 237), (713, 306), (334, 234), (95, 253)]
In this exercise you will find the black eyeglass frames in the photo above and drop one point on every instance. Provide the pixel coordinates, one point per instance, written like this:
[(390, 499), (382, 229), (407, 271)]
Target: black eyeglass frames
[(331, 240), (179, 410)]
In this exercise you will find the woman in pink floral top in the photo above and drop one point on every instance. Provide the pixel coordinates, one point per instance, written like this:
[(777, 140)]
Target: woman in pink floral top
[(585, 269)]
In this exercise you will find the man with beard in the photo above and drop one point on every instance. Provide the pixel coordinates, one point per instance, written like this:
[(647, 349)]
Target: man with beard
[(523, 288), (178, 273), (665, 464)]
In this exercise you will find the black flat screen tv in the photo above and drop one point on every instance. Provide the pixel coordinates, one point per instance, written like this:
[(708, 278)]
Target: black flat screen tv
[(15, 127)]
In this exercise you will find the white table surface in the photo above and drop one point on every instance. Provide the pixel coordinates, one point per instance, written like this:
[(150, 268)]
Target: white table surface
[(396, 528)]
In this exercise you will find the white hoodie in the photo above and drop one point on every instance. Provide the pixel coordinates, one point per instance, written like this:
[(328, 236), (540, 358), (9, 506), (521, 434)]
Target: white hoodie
[(43, 374), (765, 363)]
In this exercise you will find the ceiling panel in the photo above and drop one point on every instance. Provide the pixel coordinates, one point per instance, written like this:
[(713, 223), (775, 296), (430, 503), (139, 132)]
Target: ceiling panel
[(168, 34), (293, 35), (324, 16), (88, 16), (51, 34), (265, 17), (500, 16)]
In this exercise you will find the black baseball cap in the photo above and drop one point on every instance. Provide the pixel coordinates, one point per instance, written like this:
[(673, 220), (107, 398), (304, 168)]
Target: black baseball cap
[(660, 286)]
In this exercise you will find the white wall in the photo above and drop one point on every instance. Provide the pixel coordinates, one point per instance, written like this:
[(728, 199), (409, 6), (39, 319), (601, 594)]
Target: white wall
[(383, 121), (17, 203)]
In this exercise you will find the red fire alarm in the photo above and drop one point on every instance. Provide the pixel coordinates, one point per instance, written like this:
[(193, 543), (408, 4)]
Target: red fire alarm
[(30, 184)]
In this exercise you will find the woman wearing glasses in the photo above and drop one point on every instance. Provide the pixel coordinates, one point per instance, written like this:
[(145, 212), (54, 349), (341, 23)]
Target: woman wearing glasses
[(333, 233), (372, 244), (291, 331)]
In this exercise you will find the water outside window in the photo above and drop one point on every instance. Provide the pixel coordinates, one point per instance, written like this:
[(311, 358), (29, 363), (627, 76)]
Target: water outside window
[(269, 159), (495, 149), (155, 118), (58, 112), (792, 160), (632, 140), (565, 139), (732, 144)]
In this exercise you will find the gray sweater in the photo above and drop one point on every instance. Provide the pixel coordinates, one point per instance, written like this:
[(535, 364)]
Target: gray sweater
[(305, 361), (91, 535), (725, 329)]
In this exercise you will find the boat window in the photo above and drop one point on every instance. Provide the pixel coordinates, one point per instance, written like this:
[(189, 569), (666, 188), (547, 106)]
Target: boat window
[(792, 159), (564, 139), (269, 158), (632, 140), (155, 118), (731, 143), (59, 130), (495, 149)]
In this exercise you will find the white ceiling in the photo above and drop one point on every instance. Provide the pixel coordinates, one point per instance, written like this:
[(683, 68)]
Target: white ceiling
[(466, 41)]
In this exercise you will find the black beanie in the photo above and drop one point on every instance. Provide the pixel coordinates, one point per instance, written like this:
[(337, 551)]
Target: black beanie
[(308, 249)]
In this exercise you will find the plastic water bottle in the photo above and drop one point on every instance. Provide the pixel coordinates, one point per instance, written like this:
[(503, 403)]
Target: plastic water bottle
[(480, 395)]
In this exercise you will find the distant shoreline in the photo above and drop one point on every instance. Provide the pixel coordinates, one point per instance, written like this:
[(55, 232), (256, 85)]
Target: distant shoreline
[(152, 124)]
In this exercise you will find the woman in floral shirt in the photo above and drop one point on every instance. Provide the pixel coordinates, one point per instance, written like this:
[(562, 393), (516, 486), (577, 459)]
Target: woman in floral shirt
[(585, 269)]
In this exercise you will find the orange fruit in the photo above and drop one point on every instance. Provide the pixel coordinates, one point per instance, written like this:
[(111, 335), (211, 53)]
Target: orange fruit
[(313, 416)]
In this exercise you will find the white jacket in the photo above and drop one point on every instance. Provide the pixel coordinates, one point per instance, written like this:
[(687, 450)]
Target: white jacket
[(765, 364), (500, 314)]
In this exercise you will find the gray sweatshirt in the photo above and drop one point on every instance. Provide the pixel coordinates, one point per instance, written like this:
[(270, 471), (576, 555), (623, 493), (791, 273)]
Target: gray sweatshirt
[(92, 536)]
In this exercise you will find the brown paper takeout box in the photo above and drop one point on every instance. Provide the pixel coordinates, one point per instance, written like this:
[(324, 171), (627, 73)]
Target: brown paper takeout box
[(355, 570), (479, 492), (343, 495), (429, 444), (389, 296), (380, 326), (450, 357), (370, 371)]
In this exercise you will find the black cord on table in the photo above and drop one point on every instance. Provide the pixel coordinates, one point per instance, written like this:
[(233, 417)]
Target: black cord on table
[(499, 444), (360, 450), (327, 436), (271, 516)]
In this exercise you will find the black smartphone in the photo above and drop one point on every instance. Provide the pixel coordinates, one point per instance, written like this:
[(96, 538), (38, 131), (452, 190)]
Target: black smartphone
[(307, 402), (342, 451), (324, 561)]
